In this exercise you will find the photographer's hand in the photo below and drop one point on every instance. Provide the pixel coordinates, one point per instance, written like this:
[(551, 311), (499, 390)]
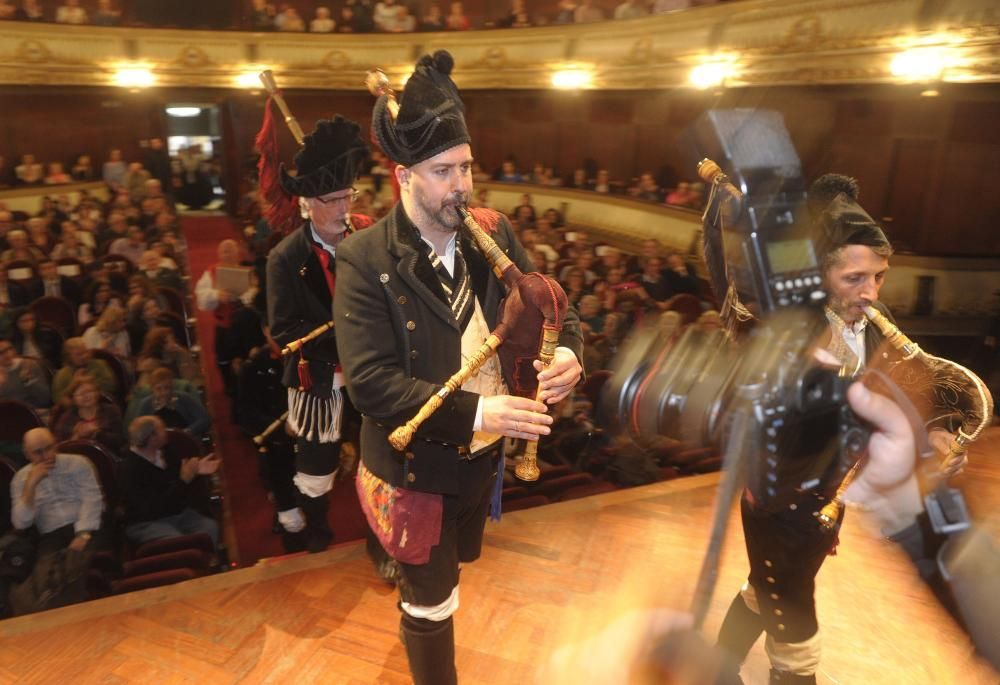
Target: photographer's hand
[(886, 485)]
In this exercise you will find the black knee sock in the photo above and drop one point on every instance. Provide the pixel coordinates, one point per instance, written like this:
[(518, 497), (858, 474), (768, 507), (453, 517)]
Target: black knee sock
[(740, 630), (430, 648)]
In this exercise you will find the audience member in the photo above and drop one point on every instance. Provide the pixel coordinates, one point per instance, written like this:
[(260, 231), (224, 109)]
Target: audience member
[(135, 180), (588, 12), (114, 170), (680, 276), (433, 20), (99, 296), (567, 12), (13, 295), (39, 236), (51, 284), (160, 492), (57, 175), (262, 15), (69, 246), (105, 14), (290, 20), (323, 22), (456, 19), (177, 409), (364, 15), (83, 170), (347, 20), (91, 417), (59, 495), (20, 249), (109, 334), (160, 344), (508, 172), (29, 172), (22, 379), (151, 266), (603, 182), (31, 340), (132, 246), (78, 361), (631, 9), (71, 13), (654, 282), (681, 196)]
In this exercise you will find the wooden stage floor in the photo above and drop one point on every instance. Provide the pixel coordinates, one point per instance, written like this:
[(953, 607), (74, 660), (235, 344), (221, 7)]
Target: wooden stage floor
[(548, 577)]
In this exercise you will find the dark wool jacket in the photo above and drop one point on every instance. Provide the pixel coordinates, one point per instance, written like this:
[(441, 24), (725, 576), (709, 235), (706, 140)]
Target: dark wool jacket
[(399, 342)]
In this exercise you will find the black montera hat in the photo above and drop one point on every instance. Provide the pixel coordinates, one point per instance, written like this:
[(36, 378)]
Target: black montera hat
[(833, 204), (431, 115), (330, 159)]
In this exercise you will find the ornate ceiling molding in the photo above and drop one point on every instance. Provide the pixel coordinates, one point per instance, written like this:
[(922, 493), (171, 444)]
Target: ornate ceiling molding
[(771, 42)]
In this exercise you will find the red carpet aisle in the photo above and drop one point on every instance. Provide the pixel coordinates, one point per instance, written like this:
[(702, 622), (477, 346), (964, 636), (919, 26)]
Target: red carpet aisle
[(250, 512)]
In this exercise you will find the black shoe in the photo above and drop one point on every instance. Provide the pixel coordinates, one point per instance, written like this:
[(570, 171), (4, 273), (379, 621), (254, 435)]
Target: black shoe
[(318, 534)]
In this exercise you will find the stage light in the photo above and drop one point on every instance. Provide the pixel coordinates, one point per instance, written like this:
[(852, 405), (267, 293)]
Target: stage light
[(134, 77), (712, 73), (919, 64), (572, 79), (184, 111)]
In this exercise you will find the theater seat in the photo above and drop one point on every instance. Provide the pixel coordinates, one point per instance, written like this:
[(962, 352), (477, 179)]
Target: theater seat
[(193, 559), (199, 541), (18, 419), (151, 580)]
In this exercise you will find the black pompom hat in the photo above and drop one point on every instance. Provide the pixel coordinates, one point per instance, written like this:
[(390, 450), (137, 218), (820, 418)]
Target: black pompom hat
[(431, 115), (833, 204), (329, 161)]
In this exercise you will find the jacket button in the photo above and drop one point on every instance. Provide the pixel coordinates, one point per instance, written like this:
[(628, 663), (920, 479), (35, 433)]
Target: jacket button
[(410, 478), (414, 354), (411, 325), (401, 299), (409, 455), (383, 278)]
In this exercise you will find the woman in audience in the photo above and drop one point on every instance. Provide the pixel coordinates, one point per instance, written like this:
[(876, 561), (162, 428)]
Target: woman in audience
[(456, 19), (113, 172), (99, 296), (161, 345), (90, 418), (323, 22), (109, 334), (83, 170), (39, 236), (70, 246), (79, 362), (575, 285), (57, 175), (29, 340)]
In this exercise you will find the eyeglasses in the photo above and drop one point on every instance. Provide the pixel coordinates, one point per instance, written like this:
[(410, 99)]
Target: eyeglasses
[(353, 197)]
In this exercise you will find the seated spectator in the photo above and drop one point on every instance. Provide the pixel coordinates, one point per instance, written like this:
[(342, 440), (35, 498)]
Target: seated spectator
[(583, 261), (554, 218), (649, 248), (456, 19), (478, 175), (29, 172), (158, 492), (290, 20), (610, 257), (70, 246), (681, 277), (525, 208), (79, 362), (71, 13), (648, 189), (262, 15), (99, 296), (59, 495), (20, 249), (322, 23), (90, 418), (31, 341), (143, 388), (113, 171), (347, 21), (135, 180), (522, 21), (603, 182), (12, 294), (507, 21), (579, 180), (57, 175), (176, 409), (143, 318), (574, 283), (115, 228), (385, 15), (152, 267), (567, 12), (51, 284), (508, 172), (433, 20), (83, 170), (161, 345), (22, 379), (132, 246), (402, 22), (681, 196), (105, 14), (588, 12), (631, 9), (654, 282), (39, 236), (364, 15), (590, 313), (109, 334)]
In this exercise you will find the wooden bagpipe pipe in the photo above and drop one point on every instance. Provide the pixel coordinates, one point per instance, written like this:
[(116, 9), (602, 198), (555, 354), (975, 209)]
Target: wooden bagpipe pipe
[(530, 319)]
